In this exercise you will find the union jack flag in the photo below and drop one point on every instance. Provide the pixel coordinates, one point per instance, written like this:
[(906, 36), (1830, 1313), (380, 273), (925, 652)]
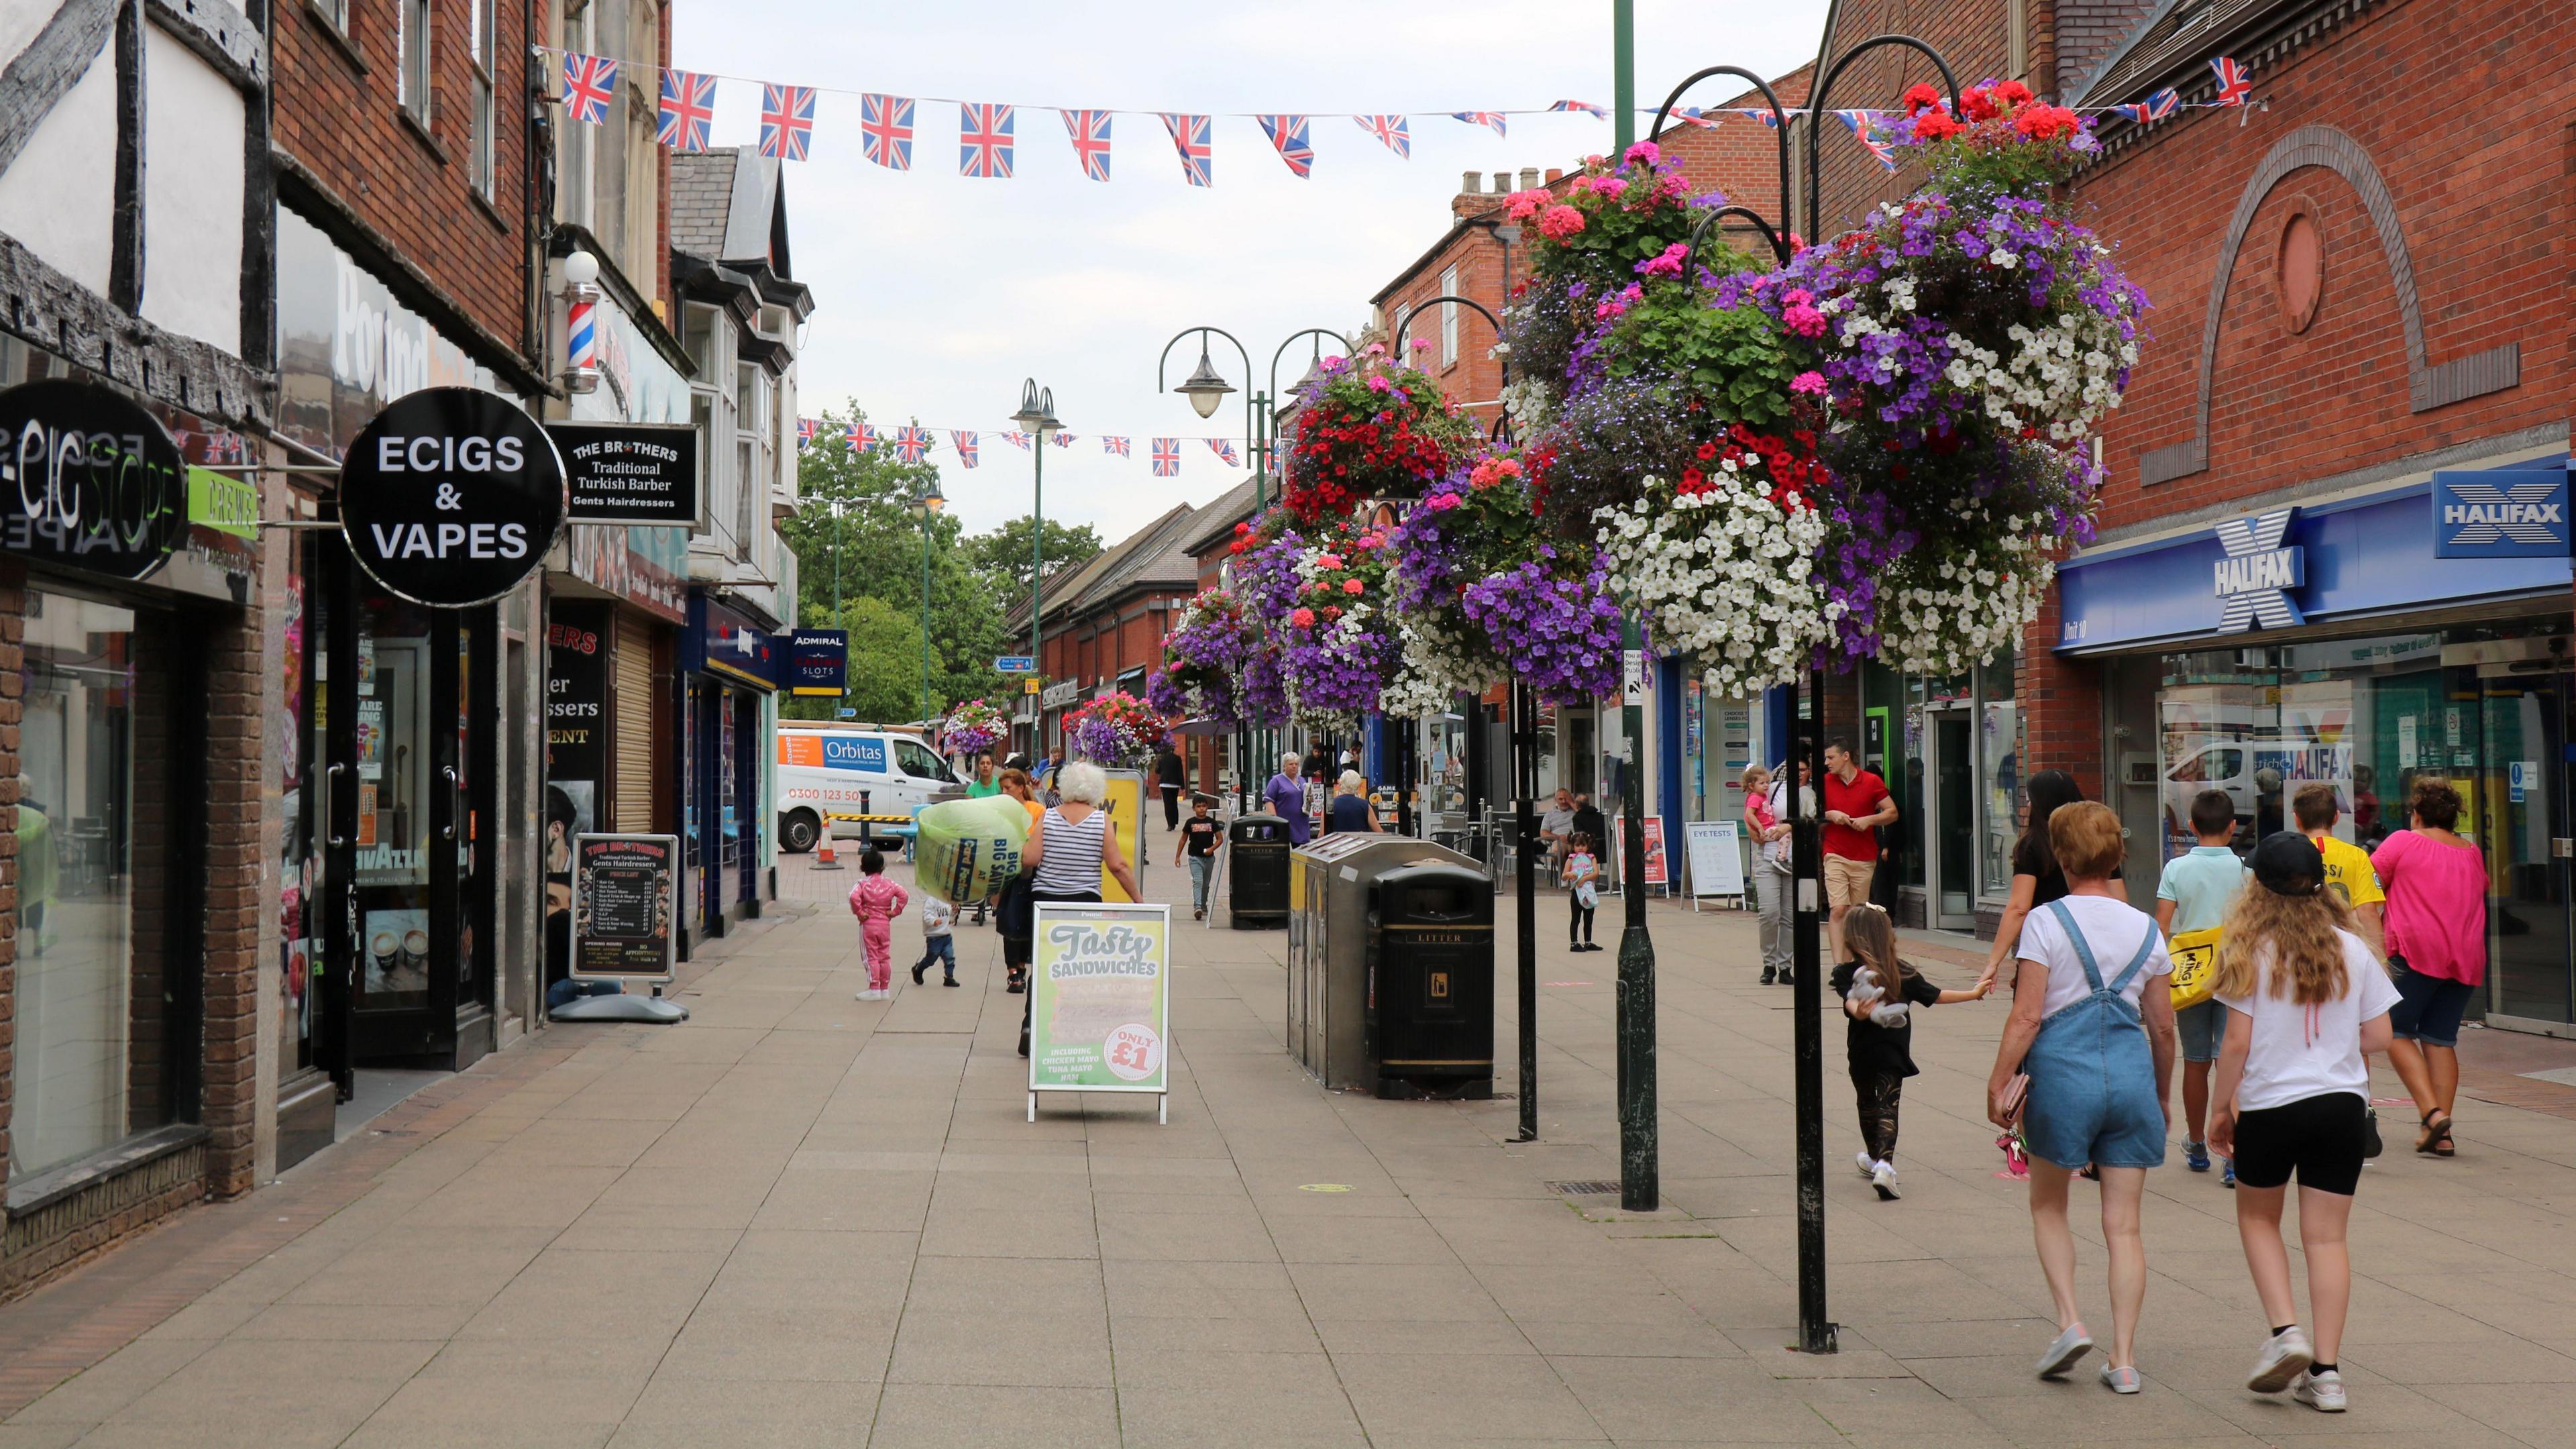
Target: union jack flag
[(688, 109), (2234, 83), (1061, 438), (885, 130), (805, 430), (964, 443), (1864, 124), (1693, 116), (1114, 445), (786, 121), (1167, 457), (1190, 138), (2154, 108), (1288, 135), (912, 444), (590, 83), (1090, 133), (1395, 131), (862, 436), (1481, 118), (1017, 439), (1600, 113), (1763, 114), (1224, 448), (984, 141)]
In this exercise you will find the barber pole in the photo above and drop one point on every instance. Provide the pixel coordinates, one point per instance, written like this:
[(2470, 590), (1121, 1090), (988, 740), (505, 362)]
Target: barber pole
[(581, 340)]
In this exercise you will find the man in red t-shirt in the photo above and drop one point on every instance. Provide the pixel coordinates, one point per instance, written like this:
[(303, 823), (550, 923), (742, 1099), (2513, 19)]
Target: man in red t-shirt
[(1856, 804)]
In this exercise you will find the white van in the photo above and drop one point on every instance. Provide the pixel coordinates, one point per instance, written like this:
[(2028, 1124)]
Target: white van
[(825, 769)]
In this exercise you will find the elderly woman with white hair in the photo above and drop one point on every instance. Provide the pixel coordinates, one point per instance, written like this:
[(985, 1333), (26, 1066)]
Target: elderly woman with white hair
[(1285, 796), (1072, 845), (1351, 810)]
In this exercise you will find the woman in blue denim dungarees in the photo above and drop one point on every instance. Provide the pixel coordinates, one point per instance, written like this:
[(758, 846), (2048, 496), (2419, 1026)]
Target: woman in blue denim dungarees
[(2092, 1029)]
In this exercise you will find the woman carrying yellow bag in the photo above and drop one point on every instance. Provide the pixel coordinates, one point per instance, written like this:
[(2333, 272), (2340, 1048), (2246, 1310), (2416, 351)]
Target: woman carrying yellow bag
[(2191, 903)]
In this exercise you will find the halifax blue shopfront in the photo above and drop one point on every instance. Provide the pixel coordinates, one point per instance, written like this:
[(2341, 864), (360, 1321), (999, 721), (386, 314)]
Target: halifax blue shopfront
[(2364, 638)]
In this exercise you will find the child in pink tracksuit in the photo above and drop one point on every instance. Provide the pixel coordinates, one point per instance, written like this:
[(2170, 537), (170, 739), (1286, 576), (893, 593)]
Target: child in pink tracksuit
[(876, 901)]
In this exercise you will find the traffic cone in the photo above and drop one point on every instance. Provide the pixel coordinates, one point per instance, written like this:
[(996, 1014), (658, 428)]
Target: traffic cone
[(824, 858)]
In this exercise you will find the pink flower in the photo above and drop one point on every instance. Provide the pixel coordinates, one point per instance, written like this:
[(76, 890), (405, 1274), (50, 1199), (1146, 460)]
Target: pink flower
[(1353, 586), (1302, 618), (1808, 382), (1646, 151), (1804, 320), (1609, 187), (1559, 222), (1796, 297), (1670, 263), (1421, 344), (1377, 383), (1522, 205), (1328, 561)]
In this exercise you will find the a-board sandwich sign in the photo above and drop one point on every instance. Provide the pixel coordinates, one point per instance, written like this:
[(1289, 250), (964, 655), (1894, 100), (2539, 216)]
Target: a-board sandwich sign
[(625, 891), (1100, 998)]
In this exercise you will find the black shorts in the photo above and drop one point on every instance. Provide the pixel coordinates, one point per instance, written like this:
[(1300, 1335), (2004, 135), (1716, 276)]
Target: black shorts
[(2321, 1138)]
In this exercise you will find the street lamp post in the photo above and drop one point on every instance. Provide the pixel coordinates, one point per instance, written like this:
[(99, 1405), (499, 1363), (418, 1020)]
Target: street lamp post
[(925, 506), (1206, 388), (1816, 1333), (1037, 418)]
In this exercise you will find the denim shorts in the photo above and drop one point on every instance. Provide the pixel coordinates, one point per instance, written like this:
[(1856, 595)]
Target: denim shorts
[(2093, 1090), (2201, 1028), (2429, 1008)]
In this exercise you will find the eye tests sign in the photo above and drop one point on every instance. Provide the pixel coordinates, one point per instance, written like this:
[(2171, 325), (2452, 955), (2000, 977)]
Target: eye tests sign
[(632, 473), (450, 496)]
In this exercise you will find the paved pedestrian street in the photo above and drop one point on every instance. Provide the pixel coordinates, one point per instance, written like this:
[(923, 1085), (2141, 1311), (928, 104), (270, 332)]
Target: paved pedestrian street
[(802, 1219)]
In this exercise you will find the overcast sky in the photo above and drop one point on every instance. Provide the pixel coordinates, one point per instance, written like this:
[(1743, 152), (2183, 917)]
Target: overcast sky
[(935, 293)]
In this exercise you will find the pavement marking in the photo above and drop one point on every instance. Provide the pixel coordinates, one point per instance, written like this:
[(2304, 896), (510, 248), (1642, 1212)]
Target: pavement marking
[(1323, 1187), (2563, 1076)]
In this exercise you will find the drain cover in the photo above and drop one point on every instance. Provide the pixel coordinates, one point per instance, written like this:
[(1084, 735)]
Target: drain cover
[(1585, 1189)]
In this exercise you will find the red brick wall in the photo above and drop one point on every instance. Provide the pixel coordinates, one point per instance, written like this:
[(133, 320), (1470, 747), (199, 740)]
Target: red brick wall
[(2480, 194), (341, 122)]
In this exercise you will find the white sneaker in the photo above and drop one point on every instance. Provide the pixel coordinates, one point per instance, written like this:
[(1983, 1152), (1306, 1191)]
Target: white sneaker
[(1867, 1164), (2285, 1356), (2071, 1345), (1885, 1181), (2321, 1392)]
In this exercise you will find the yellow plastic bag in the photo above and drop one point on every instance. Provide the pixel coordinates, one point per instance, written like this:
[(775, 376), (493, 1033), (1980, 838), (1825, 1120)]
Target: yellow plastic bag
[(2195, 966), (970, 848)]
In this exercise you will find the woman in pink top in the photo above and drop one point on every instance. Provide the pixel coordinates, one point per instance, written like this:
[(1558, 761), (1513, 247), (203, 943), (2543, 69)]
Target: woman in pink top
[(2437, 949)]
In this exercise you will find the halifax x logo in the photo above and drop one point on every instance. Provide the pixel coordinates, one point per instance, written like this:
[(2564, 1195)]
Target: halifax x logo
[(2255, 577), (2519, 513)]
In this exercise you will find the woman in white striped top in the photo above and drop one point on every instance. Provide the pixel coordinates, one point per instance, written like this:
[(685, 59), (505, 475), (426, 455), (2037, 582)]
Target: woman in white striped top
[(1072, 845)]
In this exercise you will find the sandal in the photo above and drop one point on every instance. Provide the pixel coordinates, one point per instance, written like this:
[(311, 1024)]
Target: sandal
[(2436, 1141)]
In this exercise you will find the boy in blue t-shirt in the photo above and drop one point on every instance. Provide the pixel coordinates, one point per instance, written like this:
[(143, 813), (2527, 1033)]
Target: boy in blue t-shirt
[(2194, 895)]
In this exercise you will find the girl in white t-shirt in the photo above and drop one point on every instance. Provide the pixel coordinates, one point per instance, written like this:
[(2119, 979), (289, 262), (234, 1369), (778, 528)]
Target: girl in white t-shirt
[(2305, 1000)]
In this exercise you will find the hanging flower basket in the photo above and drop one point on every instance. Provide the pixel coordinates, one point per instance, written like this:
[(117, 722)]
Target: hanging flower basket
[(1203, 659), (974, 727), (1482, 592), (1374, 429), (1116, 731)]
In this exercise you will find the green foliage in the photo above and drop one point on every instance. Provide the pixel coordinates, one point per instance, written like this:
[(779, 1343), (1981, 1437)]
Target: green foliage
[(1002, 556), (1732, 359)]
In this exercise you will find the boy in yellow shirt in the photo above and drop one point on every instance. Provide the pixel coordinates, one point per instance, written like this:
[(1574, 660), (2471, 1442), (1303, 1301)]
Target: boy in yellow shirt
[(2347, 865)]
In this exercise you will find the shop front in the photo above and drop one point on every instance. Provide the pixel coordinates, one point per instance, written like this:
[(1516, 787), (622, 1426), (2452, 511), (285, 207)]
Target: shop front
[(128, 584), (729, 656), (2362, 642), (1950, 749)]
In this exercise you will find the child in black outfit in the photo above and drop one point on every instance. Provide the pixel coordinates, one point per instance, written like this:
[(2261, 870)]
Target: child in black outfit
[(1879, 991)]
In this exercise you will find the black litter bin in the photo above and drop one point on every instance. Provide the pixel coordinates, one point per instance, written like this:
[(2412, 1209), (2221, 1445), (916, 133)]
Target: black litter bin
[(1431, 981), (1257, 867)]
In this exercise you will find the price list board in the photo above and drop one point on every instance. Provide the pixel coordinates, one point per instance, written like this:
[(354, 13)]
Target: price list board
[(625, 894)]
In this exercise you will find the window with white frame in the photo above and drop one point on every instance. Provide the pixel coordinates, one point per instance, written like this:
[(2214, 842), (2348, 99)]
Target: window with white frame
[(335, 13), (411, 58), (1449, 318), (480, 45), (751, 409)]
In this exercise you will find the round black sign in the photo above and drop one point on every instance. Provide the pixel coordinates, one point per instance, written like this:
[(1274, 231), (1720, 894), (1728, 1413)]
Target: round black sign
[(450, 496), (88, 479)]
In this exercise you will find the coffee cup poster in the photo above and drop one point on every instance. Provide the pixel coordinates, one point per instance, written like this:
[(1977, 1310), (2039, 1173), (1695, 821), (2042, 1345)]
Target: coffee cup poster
[(1100, 1020)]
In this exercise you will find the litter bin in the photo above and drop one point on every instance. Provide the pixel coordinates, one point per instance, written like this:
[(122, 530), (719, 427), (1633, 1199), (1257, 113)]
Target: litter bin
[(1391, 966), (1257, 867), (1431, 981)]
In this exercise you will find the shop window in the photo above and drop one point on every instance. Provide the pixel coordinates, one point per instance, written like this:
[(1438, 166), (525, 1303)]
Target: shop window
[(1999, 755), (97, 1008)]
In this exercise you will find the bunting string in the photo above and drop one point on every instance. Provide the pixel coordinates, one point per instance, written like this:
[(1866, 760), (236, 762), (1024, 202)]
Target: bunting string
[(914, 443), (988, 132)]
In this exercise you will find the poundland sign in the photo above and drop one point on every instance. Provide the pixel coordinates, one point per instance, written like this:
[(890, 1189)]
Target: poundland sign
[(2501, 514)]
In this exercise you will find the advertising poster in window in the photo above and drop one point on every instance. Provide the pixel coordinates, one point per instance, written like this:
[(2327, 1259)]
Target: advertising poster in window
[(625, 890), (576, 757), (1100, 999)]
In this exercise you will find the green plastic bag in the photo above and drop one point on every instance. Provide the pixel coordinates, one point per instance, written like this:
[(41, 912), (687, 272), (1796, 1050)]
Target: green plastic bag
[(968, 849)]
